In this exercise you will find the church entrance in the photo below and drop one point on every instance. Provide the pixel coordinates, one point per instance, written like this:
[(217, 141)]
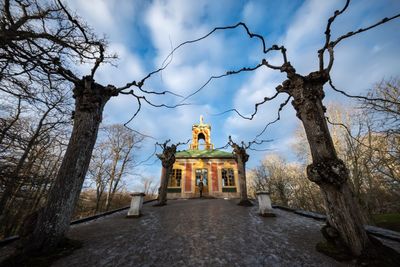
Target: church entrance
[(201, 175)]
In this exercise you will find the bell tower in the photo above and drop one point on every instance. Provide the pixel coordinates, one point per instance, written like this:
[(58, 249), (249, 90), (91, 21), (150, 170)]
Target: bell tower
[(201, 131)]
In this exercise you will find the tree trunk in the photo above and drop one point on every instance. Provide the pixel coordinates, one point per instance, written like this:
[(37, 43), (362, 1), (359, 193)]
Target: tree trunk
[(167, 160), (99, 193), (241, 162), (241, 158), (53, 220), (162, 196), (111, 180), (327, 170)]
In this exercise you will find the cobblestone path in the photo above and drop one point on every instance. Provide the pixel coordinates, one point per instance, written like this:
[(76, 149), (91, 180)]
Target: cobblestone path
[(198, 232)]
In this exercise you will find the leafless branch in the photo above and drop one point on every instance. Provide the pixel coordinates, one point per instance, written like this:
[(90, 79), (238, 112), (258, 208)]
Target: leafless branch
[(328, 36), (277, 119), (139, 133), (222, 147), (139, 100), (137, 111), (258, 142), (348, 131), (358, 96), (240, 24), (160, 93), (259, 150), (349, 34), (164, 145), (223, 75), (149, 157), (183, 143), (255, 108), (329, 45)]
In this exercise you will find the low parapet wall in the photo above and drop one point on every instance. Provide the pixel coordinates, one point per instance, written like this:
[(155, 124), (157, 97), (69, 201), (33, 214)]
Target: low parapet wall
[(373, 230), (11, 239)]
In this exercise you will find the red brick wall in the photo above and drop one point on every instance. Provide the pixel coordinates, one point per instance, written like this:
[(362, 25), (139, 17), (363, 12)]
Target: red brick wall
[(214, 175), (188, 177)]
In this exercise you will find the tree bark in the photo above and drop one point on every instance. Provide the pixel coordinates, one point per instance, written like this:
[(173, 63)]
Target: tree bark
[(327, 170), (111, 180), (53, 220), (165, 174), (241, 158), (242, 182), (167, 160)]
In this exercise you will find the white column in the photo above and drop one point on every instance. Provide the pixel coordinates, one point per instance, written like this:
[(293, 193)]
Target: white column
[(136, 205), (264, 204)]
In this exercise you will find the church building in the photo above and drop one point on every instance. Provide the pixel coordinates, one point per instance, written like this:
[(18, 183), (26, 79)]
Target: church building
[(216, 169)]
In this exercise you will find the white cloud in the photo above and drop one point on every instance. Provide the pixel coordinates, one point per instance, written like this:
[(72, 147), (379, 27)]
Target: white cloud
[(359, 62), (253, 14), (126, 68)]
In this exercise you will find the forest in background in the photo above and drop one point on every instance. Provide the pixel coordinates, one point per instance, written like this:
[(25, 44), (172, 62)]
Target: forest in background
[(33, 139)]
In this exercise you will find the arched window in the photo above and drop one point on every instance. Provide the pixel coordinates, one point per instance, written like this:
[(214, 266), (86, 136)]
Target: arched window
[(201, 141)]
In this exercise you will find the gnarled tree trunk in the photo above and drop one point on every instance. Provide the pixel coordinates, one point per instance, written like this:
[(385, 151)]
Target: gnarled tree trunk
[(167, 160), (165, 174), (241, 158), (345, 221), (53, 220)]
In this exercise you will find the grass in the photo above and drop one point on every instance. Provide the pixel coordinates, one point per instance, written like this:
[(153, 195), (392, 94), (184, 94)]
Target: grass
[(389, 221)]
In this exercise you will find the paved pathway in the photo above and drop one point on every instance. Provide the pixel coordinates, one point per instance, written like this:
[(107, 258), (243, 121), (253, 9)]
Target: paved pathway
[(198, 232)]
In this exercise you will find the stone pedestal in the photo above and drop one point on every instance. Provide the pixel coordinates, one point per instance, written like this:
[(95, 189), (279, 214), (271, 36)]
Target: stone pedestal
[(264, 204), (136, 205)]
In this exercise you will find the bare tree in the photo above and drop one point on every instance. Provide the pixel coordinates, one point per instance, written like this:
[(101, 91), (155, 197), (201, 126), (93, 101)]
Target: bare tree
[(112, 158), (241, 158), (121, 142), (167, 158), (98, 169), (149, 187), (385, 123), (28, 145), (286, 183)]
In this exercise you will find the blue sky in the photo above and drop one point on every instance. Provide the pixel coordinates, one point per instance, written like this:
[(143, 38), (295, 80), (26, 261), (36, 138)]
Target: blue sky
[(143, 32)]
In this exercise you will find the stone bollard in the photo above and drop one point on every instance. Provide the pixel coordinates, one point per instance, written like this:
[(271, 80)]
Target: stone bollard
[(136, 205), (264, 203)]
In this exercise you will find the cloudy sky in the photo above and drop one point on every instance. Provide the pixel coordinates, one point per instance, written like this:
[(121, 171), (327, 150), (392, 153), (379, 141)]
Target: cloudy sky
[(143, 33)]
